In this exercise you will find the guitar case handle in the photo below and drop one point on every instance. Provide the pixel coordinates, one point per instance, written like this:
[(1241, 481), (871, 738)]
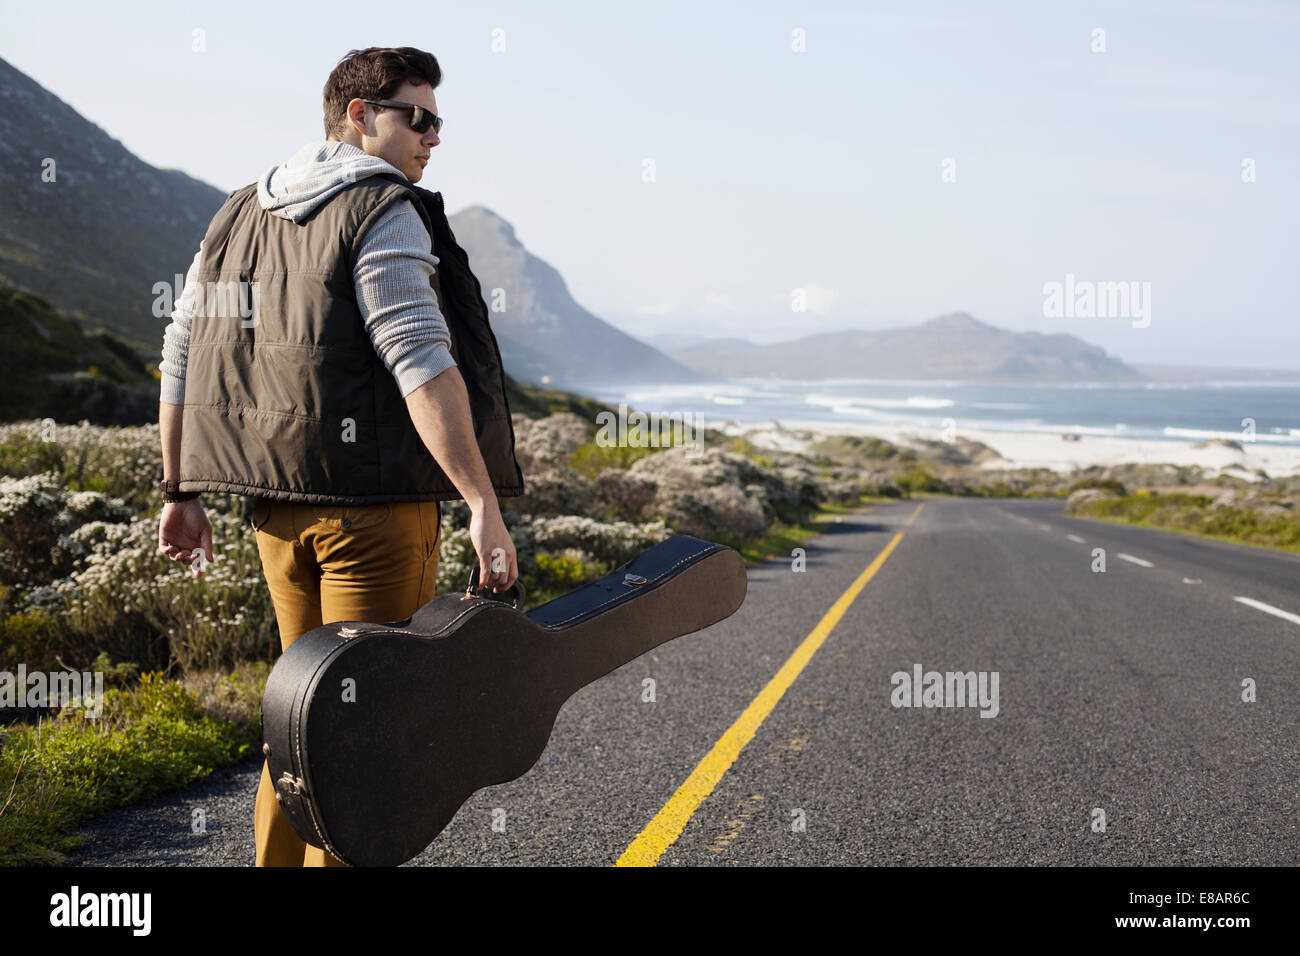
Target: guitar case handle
[(473, 587)]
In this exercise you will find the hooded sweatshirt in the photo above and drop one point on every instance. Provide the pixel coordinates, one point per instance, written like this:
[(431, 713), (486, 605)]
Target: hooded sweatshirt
[(392, 274)]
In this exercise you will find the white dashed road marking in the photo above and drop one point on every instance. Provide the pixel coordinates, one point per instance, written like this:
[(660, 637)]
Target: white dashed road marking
[(1270, 609)]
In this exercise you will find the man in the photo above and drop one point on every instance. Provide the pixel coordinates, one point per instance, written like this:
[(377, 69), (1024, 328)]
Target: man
[(337, 400)]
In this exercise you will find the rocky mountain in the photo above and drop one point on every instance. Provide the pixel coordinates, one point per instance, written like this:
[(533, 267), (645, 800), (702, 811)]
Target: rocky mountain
[(954, 346), (84, 223), (539, 326)]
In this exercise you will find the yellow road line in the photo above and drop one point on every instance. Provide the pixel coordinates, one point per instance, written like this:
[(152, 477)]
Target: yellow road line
[(667, 826)]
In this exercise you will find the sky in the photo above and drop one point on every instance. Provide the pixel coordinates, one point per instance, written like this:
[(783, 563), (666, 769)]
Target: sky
[(768, 170)]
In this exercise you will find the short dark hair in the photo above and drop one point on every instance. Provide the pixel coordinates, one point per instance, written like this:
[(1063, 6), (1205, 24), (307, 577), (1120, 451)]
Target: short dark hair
[(375, 73)]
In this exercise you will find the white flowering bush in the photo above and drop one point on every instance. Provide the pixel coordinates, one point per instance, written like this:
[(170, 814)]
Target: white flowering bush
[(724, 496), (38, 518), (29, 508), (122, 463), (217, 619), (79, 511), (842, 490), (622, 495), (89, 566), (589, 548), (550, 440), (879, 483), (553, 491), (613, 542), (719, 513)]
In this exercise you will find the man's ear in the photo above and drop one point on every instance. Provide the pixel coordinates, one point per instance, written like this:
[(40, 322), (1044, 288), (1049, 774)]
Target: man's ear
[(357, 115)]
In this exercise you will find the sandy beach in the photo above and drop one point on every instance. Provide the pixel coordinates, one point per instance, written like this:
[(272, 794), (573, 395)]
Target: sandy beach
[(1034, 450)]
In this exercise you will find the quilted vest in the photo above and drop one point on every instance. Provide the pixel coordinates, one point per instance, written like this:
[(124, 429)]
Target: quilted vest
[(285, 395)]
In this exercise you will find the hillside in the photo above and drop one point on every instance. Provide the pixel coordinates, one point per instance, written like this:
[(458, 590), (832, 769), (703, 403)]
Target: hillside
[(95, 239), (50, 367)]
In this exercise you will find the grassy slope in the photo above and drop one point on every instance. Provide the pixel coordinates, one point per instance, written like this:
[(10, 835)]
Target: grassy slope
[(50, 367), (1191, 514)]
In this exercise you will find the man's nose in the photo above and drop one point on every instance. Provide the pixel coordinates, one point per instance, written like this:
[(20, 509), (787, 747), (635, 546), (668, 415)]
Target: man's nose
[(430, 138)]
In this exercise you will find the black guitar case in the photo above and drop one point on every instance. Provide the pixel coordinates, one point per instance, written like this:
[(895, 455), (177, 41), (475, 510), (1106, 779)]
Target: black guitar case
[(375, 734)]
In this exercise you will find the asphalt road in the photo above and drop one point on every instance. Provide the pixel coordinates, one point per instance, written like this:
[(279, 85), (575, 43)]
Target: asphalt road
[(1119, 693)]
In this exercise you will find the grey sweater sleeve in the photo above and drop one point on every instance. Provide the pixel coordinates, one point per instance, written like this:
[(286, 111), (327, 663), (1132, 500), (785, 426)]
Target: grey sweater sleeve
[(176, 340), (393, 279), (394, 294)]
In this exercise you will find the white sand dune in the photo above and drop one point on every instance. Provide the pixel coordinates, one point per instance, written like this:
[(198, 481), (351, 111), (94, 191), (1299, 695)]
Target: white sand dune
[(1035, 450)]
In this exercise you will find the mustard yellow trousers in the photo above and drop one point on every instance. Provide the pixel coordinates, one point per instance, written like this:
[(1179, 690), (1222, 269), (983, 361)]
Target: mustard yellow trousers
[(327, 563)]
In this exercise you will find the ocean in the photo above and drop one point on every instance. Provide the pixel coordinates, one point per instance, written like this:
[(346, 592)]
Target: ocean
[(1161, 412)]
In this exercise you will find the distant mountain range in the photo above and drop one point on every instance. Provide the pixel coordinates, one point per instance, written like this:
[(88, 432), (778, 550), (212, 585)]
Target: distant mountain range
[(1191, 374), (954, 346)]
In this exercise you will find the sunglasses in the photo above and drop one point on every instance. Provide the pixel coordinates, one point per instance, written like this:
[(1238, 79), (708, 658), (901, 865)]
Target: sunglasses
[(421, 119)]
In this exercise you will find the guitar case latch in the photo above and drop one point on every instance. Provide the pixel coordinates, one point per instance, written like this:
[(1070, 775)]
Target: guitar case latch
[(289, 784)]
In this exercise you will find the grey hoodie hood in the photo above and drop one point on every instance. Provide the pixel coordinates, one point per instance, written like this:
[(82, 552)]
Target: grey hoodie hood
[(294, 189)]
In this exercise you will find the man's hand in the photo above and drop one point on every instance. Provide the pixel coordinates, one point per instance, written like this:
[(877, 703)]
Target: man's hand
[(183, 530), (498, 567)]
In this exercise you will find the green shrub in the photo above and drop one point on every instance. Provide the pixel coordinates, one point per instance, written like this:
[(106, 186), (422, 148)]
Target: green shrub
[(1103, 484), (32, 637), (562, 571), (1192, 513), (856, 446), (591, 459), (743, 446), (148, 739), (920, 479)]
